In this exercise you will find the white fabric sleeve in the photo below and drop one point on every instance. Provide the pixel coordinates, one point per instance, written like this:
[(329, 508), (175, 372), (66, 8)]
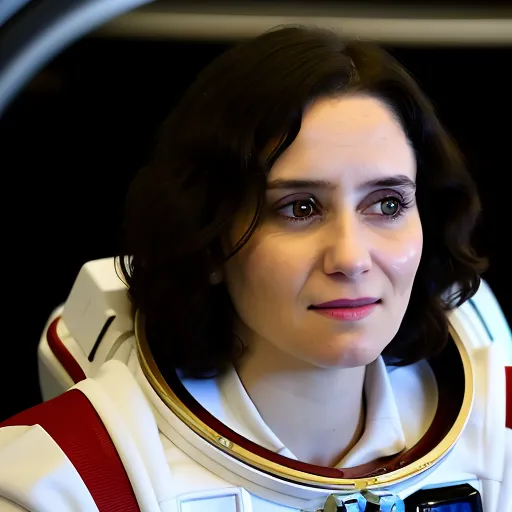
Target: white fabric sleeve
[(36, 474)]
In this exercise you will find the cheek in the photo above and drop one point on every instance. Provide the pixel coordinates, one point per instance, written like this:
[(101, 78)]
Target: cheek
[(405, 261), (269, 267), (401, 256)]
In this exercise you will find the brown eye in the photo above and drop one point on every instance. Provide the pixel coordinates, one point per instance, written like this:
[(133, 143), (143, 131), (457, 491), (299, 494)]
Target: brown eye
[(390, 206), (302, 208), (305, 210)]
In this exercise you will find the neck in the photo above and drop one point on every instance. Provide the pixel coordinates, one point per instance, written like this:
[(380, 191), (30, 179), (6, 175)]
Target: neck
[(317, 413)]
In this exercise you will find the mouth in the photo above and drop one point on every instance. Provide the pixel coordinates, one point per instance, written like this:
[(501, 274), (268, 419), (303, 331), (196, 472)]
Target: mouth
[(346, 303), (347, 310)]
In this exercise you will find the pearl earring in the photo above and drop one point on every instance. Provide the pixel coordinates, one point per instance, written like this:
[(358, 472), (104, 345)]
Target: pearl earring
[(215, 278)]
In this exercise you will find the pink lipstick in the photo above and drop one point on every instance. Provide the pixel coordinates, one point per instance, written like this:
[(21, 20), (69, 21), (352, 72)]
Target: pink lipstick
[(347, 309)]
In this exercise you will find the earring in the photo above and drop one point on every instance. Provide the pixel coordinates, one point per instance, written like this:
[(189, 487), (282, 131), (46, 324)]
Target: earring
[(215, 278)]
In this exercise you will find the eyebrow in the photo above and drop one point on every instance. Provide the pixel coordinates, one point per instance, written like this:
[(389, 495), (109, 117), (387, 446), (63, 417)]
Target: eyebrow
[(389, 181)]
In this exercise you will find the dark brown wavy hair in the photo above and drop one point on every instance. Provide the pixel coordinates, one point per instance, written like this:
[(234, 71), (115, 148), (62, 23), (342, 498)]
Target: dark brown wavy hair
[(212, 158)]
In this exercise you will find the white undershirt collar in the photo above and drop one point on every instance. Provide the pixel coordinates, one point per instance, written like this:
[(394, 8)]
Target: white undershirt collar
[(383, 435)]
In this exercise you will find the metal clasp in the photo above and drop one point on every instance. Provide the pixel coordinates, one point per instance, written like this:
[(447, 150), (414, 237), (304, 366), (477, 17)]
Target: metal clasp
[(364, 501)]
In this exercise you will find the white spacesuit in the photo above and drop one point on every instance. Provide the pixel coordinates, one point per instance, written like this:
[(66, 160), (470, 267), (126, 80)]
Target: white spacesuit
[(437, 436)]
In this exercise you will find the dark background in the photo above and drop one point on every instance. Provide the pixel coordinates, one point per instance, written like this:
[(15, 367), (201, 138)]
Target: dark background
[(72, 140)]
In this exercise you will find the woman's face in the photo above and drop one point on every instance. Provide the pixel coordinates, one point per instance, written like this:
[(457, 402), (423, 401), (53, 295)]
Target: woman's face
[(328, 275)]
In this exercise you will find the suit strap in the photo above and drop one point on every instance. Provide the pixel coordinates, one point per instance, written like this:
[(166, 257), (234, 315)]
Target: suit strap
[(73, 423)]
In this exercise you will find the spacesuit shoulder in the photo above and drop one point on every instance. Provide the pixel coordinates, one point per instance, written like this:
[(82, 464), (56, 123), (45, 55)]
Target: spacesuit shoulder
[(483, 322), (40, 456)]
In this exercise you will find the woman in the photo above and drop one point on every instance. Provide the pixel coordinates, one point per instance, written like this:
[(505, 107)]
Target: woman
[(298, 256)]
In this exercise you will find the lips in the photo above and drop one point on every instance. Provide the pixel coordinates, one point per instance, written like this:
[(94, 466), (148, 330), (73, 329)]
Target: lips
[(346, 303)]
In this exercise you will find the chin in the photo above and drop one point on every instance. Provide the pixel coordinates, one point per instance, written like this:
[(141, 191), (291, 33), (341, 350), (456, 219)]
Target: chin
[(345, 362), (346, 357)]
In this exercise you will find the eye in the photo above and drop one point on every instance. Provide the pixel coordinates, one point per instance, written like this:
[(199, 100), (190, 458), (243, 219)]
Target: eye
[(388, 207), (300, 209)]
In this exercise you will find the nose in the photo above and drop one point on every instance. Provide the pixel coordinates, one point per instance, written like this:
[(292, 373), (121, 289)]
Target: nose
[(346, 251)]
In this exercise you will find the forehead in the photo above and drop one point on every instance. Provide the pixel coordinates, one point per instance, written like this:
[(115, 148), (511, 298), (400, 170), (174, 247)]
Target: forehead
[(351, 133)]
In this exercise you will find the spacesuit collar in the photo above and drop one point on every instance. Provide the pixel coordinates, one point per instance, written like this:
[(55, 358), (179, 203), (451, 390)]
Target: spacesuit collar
[(453, 372)]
